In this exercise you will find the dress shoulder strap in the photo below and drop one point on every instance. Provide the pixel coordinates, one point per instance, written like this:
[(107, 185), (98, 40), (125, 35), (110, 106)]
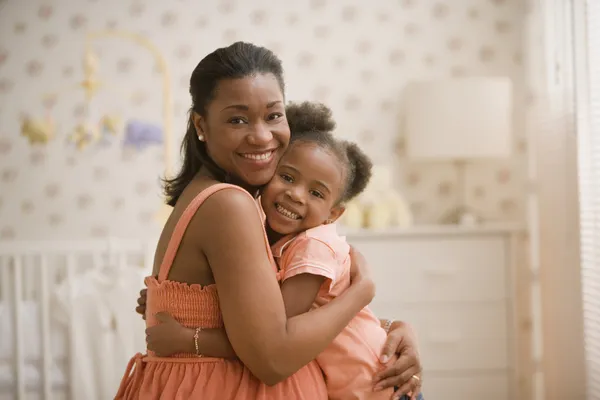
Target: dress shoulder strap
[(183, 223)]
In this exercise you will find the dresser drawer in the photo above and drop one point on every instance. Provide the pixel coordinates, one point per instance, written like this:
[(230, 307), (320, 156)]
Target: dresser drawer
[(456, 336), (467, 387), (437, 270)]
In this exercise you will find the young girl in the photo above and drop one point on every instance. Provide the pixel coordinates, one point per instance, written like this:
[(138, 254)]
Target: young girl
[(316, 176)]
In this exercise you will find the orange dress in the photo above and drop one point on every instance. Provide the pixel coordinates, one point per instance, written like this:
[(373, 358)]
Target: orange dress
[(186, 376)]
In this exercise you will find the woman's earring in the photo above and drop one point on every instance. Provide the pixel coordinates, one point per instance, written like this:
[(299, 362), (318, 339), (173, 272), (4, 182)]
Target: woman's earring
[(329, 222), (201, 137)]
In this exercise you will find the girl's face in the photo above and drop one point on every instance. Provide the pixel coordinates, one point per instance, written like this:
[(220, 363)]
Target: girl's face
[(305, 190), (245, 128)]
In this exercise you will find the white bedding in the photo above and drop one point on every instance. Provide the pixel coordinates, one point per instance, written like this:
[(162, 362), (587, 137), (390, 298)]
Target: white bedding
[(32, 346), (33, 376), (105, 331)]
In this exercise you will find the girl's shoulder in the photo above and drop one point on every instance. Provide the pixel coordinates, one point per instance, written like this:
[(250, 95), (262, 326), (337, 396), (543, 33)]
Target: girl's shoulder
[(320, 237), (327, 233)]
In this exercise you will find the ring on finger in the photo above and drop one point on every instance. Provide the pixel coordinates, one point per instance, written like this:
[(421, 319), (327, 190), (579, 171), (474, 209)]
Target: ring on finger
[(415, 377)]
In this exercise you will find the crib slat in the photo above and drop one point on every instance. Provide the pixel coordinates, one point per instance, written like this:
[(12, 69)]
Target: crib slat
[(72, 363), (25, 285), (5, 278), (20, 356), (45, 315)]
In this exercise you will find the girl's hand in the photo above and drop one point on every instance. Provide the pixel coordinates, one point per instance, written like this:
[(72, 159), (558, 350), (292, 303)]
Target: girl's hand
[(405, 371), (141, 307), (169, 337), (359, 269), (360, 274)]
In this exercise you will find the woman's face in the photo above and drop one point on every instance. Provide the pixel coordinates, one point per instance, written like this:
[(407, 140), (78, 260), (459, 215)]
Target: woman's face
[(245, 128)]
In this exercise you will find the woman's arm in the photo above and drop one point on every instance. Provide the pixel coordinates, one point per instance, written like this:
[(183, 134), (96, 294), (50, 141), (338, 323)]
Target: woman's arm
[(170, 337), (270, 345), (298, 291)]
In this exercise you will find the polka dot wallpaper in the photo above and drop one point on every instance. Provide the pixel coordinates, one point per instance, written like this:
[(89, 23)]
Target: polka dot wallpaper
[(356, 58)]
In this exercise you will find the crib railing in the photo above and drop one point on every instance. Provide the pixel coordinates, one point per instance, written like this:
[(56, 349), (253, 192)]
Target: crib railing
[(31, 272)]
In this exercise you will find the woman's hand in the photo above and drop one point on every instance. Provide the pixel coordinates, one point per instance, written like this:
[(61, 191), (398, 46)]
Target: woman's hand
[(141, 307), (405, 372), (169, 337)]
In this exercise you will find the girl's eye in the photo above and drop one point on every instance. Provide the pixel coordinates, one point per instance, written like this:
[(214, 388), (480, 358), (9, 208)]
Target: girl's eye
[(316, 194), (286, 178), (275, 116), (237, 121)]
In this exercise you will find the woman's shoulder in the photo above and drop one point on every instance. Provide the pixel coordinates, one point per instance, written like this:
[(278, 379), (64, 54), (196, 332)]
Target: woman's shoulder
[(223, 202), (206, 192), (229, 218), (227, 196)]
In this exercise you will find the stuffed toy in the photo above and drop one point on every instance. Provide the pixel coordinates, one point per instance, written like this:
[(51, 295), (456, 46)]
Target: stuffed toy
[(379, 206)]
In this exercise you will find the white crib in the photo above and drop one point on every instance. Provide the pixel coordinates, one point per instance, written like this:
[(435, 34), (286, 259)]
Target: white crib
[(35, 333)]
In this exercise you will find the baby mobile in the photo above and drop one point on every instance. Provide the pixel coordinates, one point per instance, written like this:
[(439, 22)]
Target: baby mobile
[(100, 129)]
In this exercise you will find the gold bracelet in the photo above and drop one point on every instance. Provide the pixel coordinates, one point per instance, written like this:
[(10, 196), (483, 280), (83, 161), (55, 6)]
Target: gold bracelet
[(196, 336), (387, 325)]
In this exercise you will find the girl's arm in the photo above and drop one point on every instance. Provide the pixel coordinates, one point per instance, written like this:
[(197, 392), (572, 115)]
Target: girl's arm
[(272, 346)]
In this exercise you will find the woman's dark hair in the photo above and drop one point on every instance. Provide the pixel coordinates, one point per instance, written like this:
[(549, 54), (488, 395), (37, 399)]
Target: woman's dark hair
[(313, 123), (236, 61)]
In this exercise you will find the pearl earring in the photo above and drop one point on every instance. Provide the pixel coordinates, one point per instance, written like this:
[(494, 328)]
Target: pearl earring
[(201, 138)]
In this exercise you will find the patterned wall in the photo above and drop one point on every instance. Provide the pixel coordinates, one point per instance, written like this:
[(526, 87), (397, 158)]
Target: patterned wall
[(355, 58)]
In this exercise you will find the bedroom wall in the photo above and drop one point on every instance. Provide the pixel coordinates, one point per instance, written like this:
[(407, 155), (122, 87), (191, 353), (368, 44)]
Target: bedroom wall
[(356, 59)]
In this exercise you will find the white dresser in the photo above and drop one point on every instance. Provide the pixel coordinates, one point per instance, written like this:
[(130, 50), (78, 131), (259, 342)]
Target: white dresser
[(455, 286)]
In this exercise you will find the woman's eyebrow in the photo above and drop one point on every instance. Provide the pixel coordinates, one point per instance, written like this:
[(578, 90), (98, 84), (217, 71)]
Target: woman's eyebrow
[(244, 107), (241, 107)]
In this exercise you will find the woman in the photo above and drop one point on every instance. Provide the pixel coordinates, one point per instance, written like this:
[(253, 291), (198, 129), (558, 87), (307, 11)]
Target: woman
[(215, 238)]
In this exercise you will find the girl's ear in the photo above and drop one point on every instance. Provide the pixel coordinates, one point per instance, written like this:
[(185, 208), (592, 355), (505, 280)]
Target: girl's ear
[(335, 213)]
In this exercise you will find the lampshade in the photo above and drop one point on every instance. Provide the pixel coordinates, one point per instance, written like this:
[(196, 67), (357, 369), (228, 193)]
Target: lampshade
[(458, 119)]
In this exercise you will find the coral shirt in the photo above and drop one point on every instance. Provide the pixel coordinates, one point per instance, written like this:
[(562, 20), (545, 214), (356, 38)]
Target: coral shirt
[(352, 359)]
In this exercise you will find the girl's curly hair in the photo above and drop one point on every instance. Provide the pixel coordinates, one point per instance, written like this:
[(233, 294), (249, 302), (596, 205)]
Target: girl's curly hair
[(312, 122)]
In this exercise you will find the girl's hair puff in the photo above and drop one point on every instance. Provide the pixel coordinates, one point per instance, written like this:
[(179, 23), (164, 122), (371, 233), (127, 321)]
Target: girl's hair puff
[(312, 122)]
